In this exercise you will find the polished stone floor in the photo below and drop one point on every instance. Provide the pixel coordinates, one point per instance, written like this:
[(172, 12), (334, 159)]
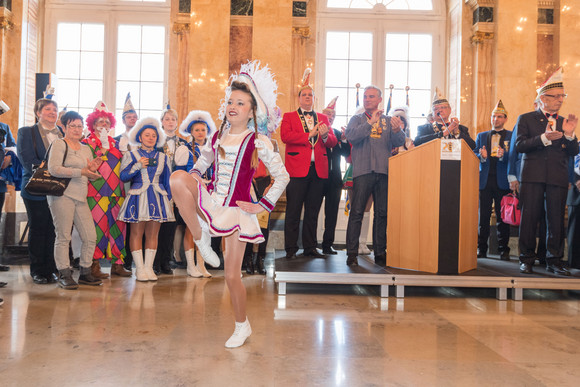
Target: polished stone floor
[(172, 333)]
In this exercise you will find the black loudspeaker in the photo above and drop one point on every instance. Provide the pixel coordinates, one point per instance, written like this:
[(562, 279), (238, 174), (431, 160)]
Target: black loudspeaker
[(42, 81)]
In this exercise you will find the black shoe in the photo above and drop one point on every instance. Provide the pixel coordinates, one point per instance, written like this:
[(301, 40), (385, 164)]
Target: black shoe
[(66, 281), (166, 269), (260, 265), (89, 279), (2, 284), (557, 268), (313, 254), (526, 268), (1, 301), (352, 260), (542, 261), (505, 255), (291, 256), (52, 278), (481, 254), (329, 251), (381, 260), (39, 279), (4, 268), (249, 264)]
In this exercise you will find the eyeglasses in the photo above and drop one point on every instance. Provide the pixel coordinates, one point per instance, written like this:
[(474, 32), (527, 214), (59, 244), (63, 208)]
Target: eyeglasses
[(74, 126), (557, 96)]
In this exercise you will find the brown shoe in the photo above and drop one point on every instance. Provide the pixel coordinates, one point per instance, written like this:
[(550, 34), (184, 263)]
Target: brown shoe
[(119, 269), (96, 270)]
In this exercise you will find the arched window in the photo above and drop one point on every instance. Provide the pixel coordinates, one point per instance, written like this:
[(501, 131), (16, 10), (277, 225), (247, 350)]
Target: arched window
[(381, 42)]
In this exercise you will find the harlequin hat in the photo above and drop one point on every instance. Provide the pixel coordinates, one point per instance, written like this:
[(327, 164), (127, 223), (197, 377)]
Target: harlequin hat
[(100, 111), (147, 123), (128, 107), (499, 108), (555, 81), (263, 87), (305, 80), (194, 117), (438, 98)]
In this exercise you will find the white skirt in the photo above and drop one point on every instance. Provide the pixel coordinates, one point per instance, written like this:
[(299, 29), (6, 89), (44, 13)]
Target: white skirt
[(225, 221)]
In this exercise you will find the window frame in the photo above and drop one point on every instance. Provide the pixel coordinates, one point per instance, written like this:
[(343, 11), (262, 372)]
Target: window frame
[(94, 11)]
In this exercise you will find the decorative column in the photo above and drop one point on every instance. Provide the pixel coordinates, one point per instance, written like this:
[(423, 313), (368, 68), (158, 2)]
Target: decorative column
[(516, 55), (272, 43), (483, 81), (178, 69), (208, 51), (569, 52)]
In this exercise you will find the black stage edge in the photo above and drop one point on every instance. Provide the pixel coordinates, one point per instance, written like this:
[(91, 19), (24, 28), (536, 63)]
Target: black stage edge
[(490, 273), (450, 183)]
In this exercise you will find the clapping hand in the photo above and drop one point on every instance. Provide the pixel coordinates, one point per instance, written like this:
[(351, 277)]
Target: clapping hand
[(313, 132), (376, 116), (500, 152), (483, 152), (144, 162), (396, 124), (454, 126), (94, 164), (569, 125), (323, 130)]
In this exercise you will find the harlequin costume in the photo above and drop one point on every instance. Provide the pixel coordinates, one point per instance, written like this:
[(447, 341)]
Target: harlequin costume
[(106, 195)]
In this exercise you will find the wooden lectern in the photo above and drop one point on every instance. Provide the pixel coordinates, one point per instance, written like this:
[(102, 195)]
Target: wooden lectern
[(432, 208)]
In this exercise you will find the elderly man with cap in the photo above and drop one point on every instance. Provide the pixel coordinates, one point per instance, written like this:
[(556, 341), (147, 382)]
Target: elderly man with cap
[(307, 137), (6, 141), (333, 185), (492, 148), (547, 141), (129, 119), (443, 126)]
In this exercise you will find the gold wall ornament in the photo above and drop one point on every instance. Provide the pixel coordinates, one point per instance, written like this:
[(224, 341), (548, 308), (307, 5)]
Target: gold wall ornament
[(478, 37), (303, 32), (6, 23), (180, 28)]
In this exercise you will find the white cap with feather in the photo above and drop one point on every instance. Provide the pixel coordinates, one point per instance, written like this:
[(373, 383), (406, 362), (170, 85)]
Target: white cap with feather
[(194, 117), (147, 123), (264, 89)]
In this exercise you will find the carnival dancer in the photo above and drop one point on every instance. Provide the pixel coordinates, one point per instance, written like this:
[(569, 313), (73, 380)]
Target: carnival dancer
[(148, 201), (199, 125), (248, 112), (179, 157), (106, 194)]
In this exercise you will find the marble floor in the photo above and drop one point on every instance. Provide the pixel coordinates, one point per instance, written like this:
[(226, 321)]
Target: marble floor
[(172, 333)]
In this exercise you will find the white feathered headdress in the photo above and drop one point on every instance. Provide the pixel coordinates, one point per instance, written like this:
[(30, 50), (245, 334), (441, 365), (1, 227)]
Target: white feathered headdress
[(194, 117), (147, 123), (264, 89)]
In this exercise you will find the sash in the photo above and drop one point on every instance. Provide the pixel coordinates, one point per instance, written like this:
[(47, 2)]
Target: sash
[(312, 140)]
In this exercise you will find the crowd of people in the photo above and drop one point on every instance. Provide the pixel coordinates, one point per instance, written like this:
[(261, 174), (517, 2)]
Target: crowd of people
[(140, 198)]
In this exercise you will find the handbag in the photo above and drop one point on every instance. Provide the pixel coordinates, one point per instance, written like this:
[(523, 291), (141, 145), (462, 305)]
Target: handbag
[(42, 183), (510, 212)]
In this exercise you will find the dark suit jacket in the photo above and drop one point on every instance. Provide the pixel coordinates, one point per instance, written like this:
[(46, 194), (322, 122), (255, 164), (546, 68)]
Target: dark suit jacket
[(29, 156), (299, 149), (425, 133), (501, 164), (543, 164), (515, 157), (341, 149), (8, 142)]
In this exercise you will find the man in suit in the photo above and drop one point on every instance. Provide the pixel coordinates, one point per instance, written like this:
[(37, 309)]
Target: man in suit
[(492, 148), (6, 141), (333, 186), (514, 178), (573, 203), (372, 136), (443, 126), (307, 138), (547, 141)]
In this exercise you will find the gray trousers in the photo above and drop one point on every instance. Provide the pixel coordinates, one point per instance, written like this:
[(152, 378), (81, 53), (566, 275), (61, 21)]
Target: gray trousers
[(66, 211)]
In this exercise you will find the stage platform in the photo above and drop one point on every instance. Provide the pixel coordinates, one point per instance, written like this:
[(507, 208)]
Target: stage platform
[(491, 273)]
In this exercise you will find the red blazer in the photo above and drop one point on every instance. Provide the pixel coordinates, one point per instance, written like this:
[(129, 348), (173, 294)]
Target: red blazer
[(299, 150)]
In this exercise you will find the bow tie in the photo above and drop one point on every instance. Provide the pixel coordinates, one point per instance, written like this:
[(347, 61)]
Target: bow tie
[(54, 131), (171, 138), (310, 113), (555, 115)]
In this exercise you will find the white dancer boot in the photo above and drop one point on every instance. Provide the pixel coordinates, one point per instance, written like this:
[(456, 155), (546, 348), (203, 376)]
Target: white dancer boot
[(364, 230), (241, 333), (191, 268), (201, 267), (140, 268), (149, 258), (204, 245)]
